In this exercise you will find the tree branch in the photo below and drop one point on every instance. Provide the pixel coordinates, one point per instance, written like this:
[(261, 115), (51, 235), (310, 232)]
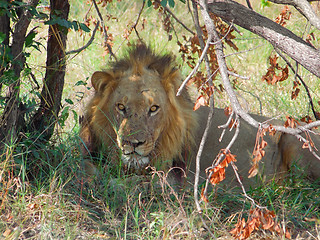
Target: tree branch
[(134, 26), (304, 7), (88, 43), (204, 48), (105, 34), (203, 55), (278, 36), (302, 81), (233, 98), (178, 20)]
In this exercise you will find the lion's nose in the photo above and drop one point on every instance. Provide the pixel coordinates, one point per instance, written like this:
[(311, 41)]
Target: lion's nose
[(129, 147), (135, 143)]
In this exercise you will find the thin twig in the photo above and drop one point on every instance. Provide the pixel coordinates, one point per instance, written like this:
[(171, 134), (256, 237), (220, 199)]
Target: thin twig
[(88, 43), (134, 26), (200, 36), (301, 80), (249, 4), (253, 95), (244, 51), (197, 173), (105, 34), (204, 52), (33, 78), (177, 19), (204, 48), (225, 126), (227, 149), (225, 36), (237, 75), (242, 187)]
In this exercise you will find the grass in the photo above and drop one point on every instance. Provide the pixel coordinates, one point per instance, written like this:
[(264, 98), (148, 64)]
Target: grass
[(45, 195), (57, 203)]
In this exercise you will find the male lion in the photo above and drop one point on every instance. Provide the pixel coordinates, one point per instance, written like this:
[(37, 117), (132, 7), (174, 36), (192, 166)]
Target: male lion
[(135, 106)]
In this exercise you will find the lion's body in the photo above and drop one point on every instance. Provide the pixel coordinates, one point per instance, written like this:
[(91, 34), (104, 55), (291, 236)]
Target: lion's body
[(135, 107), (281, 153)]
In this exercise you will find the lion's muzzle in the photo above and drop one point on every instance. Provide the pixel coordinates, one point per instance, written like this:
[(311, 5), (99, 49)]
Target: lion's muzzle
[(129, 147), (135, 161), (135, 153)]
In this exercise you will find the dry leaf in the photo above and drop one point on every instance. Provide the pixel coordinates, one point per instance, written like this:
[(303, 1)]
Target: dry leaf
[(7, 232), (203, 196), (254, 170), (201, 101)]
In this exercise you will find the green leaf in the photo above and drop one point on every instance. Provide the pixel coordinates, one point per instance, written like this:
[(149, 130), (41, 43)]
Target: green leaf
[(64, 23), (149, 3), (265, 3), (50, 22), (37, 45), (8, 77), (171, 3), (69, 101), (75, 115), (75, 25), (64, 116), (2, 37), (4, 4), (80, 83), (33, 11), (164, 3), (84, 27), (29, 39)]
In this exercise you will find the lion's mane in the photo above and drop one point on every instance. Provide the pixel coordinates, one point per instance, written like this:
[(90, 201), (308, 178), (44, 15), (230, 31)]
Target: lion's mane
[(179, 121)]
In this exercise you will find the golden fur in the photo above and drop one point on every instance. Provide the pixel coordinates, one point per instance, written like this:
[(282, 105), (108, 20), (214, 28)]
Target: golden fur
[(135, 107), (138, 82), (282, 152)]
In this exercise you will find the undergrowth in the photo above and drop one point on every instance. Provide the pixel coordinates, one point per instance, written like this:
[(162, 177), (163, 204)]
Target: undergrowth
[(45, 195)]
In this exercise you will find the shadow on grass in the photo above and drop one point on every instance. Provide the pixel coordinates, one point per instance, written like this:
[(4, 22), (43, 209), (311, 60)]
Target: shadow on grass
[(45, 194)]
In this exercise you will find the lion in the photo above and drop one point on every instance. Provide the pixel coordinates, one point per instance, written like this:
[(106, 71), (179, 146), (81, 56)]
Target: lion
[(136, 108)]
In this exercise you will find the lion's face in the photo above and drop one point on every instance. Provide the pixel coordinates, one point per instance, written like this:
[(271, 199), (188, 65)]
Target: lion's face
[(137, 109), (139, 104)]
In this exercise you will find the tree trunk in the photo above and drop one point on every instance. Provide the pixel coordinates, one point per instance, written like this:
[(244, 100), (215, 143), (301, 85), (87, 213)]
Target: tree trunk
[(278, 36), (5, 29), (11, 118), (47, 115)]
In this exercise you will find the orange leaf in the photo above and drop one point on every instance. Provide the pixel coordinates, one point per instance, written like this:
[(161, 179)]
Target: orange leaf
[(253, 171), (294, 94), (218, 174), (263, 144), (306, 119), (290, 122), (287, 235), (203, 196), (230, 158), (201, 101), (227, 111), (284, 74), (273, 61), (305, 145)]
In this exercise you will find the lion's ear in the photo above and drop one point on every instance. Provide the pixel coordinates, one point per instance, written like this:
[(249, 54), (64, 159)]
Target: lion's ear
[(100, 80)]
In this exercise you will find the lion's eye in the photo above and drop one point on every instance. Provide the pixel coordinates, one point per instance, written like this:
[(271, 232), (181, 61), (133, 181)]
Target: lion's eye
[(121, 107), (154, 108)]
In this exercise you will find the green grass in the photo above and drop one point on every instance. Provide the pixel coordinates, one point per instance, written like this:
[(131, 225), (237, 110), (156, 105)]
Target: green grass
[(45, 195), (57, 202)]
